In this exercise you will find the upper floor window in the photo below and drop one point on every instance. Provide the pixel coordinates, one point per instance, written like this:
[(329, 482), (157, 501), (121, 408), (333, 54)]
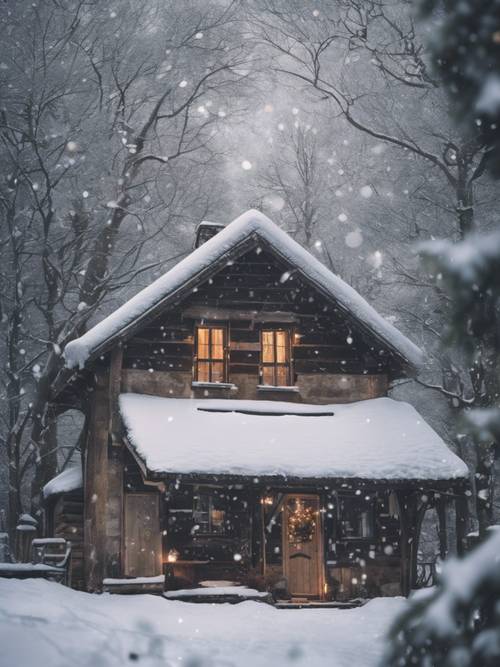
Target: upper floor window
[(211, 354), (275, 357)]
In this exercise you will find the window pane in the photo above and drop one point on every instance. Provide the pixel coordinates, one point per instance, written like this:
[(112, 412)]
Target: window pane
[(203, 371), (357, 518), (217, 343), (268, 375), (281, 347), (217, 371), (201, 512), (203, 343), (217, 520), (282, 376), (268, 346)]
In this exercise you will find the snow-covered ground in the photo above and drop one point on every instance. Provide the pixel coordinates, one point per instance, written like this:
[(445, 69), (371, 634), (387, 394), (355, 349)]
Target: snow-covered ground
[(43, 623)]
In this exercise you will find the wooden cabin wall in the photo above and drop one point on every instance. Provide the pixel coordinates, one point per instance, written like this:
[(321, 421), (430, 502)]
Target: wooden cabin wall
[(362, 567), (331, 360), (209, 556), (103, 486)]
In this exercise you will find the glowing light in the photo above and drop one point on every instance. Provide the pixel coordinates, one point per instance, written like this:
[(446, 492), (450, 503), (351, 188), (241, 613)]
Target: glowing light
[(172, 556)]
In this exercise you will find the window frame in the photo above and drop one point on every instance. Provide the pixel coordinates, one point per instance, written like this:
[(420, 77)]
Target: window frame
[(209, 493), (369, 509), (275, 364), (211, 360)]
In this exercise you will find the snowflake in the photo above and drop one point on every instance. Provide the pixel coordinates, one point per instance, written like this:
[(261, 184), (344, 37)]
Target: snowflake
[(354, 239)]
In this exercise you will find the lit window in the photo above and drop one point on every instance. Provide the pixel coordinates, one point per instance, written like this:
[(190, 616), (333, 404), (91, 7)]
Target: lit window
[(275, 359), (209, 513), (210, 354)]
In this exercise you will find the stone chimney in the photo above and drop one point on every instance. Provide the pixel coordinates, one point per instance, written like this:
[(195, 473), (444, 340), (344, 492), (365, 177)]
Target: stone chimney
[(206, 230)]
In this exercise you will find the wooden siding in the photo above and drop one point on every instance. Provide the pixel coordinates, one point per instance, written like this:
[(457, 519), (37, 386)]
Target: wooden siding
[(143, 551), (255, 289)]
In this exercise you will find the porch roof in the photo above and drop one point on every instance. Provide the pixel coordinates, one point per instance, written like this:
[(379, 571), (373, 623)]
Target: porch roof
[(378, 439)]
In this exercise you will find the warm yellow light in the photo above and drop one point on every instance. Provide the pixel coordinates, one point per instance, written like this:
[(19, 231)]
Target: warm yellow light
[(172, 556), (267, 500)]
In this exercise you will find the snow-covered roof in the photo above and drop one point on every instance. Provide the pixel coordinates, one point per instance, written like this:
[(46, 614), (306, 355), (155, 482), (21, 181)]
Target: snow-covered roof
[(374, 439), (70, 479), (204, 258)]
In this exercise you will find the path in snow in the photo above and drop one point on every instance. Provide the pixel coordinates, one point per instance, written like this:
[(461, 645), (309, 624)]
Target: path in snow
[(43, 623)]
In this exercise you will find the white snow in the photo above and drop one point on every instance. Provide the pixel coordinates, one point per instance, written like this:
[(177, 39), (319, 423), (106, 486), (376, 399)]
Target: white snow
[(250, 223), (110, 581), (68, 480), (240, 591), (375, 439), (462, 582), (489, 99), (27, 567), (468, 260), (43, 623)]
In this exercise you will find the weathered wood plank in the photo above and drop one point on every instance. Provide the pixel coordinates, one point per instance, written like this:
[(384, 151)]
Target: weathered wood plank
[(96, 485)]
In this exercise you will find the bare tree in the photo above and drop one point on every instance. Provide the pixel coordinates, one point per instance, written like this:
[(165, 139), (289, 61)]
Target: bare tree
[(105, 115), (319, 49)]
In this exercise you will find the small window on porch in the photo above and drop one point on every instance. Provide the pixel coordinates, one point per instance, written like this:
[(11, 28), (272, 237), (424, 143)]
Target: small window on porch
[(210, 354), (356, 517), (275, 358), (209, 513)]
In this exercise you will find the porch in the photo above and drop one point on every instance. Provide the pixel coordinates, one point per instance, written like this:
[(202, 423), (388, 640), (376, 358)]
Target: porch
[(322, 504), (331, 541)]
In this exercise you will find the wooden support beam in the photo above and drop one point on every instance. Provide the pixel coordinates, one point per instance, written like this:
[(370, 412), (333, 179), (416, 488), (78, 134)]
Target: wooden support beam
[(410, 516), (461, 514), (257, 534), (115, 375), (96, 487), (441, 503)]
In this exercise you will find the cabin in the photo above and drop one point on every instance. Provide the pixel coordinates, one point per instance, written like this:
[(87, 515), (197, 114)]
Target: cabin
[(238, 429)]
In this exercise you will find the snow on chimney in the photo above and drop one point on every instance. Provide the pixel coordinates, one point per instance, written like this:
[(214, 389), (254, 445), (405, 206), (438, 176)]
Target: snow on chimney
[(206, 230)]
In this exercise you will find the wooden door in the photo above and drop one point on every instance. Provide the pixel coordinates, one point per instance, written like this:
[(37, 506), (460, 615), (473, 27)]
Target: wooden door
[(302, 551), (142, 535)]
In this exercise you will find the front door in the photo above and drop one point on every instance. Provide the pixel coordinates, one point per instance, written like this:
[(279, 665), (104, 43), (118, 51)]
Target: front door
[(302, 551), (142, 535)]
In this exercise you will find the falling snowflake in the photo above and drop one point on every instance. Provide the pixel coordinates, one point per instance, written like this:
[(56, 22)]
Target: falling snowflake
[(366, 191), (354, 239), (246, 165), (274, 202)]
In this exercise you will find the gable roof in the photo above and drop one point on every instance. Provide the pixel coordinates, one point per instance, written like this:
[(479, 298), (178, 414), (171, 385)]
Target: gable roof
[(248, 229), (377, 439)]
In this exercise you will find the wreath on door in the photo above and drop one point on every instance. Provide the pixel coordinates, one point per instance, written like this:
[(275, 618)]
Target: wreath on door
[(301, 524)]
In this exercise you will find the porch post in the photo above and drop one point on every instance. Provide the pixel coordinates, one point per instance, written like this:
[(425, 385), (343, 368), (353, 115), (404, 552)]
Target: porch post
[(257, 533), (461, 512), (96, 487), (442, 526), (410, 516)]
